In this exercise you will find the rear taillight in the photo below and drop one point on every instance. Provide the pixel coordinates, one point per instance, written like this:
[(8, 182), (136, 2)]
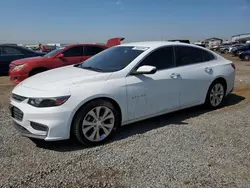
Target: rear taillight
[(233, 65)]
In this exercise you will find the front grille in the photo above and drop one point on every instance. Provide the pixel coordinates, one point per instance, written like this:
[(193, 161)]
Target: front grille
[(16, 113), (18, 97)]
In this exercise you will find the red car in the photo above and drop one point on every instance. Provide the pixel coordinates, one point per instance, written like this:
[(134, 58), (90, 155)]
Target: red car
[(72, 54)]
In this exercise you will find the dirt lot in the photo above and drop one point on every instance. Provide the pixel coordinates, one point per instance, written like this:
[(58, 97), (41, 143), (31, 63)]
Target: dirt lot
[(191, 148)]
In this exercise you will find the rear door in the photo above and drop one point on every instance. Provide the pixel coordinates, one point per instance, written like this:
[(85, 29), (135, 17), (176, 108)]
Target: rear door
[(9, 54), (90, 51), (72, 56), (195, 69)]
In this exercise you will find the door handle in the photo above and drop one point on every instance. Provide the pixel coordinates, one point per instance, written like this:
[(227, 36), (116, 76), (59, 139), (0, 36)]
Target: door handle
[(208, 69), (175, 75)]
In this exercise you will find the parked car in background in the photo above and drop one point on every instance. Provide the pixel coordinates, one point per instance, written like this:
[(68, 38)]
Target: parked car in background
[(238, 50), (64, 56), (245, 55), (234, 47), (9, 53), (48, 48), (214, 47), (121, 85)]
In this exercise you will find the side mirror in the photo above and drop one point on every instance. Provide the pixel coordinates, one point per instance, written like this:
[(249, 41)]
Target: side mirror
[(60, 56), (145, 69)]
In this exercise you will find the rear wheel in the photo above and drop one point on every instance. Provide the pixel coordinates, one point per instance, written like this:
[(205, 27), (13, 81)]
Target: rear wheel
[(247, 57), (215, 95), (95, 123)]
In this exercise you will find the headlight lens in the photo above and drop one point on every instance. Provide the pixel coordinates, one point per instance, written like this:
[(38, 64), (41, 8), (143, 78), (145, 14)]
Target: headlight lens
[(48, 102), (18, 67)]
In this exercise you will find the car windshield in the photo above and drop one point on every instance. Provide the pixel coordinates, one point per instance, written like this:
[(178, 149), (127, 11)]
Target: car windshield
[(50, 54), (112, 59)]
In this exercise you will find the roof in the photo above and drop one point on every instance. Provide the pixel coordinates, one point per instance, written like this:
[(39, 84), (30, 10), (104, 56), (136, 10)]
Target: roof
[(241, 34), (213, 38), (155, 44)]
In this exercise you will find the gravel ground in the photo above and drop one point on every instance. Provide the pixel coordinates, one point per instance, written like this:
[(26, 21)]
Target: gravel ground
[(190, 148)]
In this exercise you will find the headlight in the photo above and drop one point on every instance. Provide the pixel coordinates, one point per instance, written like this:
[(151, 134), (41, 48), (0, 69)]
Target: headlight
[(18, 67), (48, 102)]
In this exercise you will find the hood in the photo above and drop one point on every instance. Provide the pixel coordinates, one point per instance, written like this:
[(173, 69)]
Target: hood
[(64, 78), (27, 60)]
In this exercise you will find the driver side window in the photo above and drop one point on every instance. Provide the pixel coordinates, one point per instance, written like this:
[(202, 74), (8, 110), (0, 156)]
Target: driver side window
[(74, 52), (162, 58)]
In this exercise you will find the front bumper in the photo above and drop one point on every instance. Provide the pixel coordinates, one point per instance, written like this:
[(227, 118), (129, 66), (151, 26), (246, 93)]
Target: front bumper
[(16, 78), (43, 123)]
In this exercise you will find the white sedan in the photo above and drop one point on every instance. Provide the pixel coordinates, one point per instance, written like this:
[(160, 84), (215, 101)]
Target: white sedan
[(118, 86)]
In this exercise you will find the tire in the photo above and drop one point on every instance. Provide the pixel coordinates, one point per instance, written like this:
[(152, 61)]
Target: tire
[(238, 53), (213, 96), (247, 57), (85, 126), (36, 71)]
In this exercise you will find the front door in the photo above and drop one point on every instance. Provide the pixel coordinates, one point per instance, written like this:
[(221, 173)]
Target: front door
[(151, 94), (72, 56)]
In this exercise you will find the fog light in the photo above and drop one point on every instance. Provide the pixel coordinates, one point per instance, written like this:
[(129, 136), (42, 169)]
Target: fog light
[(38, 126)]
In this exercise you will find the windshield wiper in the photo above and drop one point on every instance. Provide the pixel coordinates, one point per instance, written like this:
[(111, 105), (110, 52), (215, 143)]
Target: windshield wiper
[(93, 68)]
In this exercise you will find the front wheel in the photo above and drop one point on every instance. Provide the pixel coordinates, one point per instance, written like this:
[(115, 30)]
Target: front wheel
[(95, 123), (215, 95)]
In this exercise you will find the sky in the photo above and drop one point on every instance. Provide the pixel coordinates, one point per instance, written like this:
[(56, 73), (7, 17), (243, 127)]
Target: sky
[(32, 21)]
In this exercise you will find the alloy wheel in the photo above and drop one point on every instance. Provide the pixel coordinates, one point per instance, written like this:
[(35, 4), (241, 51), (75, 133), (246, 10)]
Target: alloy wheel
[(98, 123), (216, 94), (246, 57)]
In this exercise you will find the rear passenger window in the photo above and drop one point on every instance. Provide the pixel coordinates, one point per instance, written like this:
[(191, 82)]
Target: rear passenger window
[(186, 55), (162, 58), (92, 50), (207, 56), (74, 52), (10, 51)]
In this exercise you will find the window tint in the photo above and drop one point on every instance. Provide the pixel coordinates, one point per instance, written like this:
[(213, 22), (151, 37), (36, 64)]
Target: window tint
[(162, 58), (74, 51), (92, 50), (112, 59), (10, 51), (54, 52), (207, 56), (186, 55)]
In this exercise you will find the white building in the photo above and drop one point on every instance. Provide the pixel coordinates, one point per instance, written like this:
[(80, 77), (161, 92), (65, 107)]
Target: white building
[(241, 37), (212, 41)]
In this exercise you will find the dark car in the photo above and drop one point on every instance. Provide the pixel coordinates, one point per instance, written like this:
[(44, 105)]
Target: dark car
[(9, 53), (245, 55), (238, 50)]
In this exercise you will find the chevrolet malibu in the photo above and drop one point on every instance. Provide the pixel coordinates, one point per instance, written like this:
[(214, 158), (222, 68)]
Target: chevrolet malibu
[(123, 84)]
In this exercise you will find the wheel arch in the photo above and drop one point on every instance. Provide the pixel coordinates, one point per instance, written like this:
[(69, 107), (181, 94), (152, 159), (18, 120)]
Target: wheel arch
[(85, 102), (218, 78), (36, 69), (222, 80)]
